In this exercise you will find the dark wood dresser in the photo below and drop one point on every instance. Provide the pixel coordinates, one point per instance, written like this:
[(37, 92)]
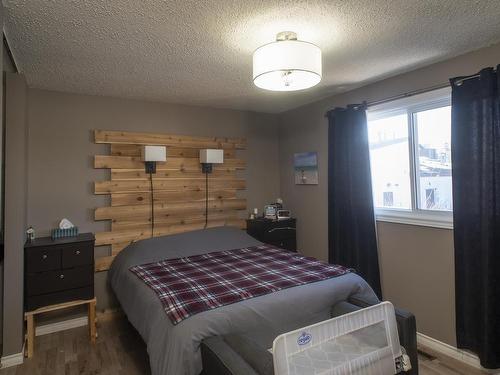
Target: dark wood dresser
[(58, 271), (280, 233)]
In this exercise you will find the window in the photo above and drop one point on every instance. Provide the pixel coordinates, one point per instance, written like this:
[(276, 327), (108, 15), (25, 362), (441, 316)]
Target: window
[(410, 158)]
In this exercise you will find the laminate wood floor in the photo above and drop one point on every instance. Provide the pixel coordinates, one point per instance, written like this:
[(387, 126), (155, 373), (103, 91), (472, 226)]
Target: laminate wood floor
[(120, 350)]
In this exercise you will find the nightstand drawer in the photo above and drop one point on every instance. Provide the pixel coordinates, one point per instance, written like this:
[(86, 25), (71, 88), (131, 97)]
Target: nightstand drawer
[(54, 281), (78, 254), (43, 259), (278, 233)]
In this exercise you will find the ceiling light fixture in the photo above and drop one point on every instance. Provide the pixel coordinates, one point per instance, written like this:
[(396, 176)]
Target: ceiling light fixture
[(287, 64)]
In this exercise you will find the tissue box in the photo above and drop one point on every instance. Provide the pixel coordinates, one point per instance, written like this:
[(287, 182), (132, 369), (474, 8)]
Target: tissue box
[(62, 233)]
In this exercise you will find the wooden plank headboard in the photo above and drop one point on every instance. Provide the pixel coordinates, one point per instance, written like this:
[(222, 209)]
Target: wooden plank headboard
[(179, 188)]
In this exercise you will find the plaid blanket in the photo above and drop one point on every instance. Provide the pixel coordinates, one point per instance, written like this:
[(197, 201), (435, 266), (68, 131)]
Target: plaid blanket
[(190, 285)]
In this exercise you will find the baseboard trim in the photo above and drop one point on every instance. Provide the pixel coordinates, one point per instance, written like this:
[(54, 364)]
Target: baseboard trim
[(61, 326), (12, 360), (450, 351)]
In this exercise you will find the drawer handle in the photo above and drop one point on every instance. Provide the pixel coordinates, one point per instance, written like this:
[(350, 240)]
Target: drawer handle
[(44, 256), (281, 228), (77, 252), (61, 276)]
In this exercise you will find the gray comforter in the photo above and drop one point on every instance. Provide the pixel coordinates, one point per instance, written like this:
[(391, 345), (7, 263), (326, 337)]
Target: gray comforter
[(174, 350)]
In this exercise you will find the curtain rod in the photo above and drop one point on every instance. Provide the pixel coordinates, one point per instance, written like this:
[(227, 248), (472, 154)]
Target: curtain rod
[(407, 94), (416, 92)]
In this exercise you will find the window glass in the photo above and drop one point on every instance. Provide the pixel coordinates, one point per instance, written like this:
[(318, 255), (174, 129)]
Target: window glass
[(433, 140), (410, 156), (390, 162)]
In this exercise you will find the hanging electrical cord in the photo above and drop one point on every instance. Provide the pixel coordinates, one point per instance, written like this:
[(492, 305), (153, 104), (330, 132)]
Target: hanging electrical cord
[(152, 204), (206, 199), (151, 155)]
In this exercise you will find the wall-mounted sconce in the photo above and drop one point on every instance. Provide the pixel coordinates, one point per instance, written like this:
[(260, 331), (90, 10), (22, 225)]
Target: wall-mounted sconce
[(209, 157), (151, 155)]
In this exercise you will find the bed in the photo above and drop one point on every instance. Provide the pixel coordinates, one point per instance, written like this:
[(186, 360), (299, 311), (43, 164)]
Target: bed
[(175, 349)]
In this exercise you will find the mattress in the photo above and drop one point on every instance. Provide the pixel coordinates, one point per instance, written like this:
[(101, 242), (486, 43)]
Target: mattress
[(175, 350)]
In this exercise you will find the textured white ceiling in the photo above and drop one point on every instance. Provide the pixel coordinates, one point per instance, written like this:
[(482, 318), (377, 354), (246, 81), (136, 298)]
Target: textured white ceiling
[(200, 51)]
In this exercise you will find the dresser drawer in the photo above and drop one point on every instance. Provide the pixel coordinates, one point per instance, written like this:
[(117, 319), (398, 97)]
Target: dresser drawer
[(54, 281), (34, 302), (43, 259), (78, 254)]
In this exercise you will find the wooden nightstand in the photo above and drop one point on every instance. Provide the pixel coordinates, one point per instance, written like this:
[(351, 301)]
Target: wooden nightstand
[(58, 274), (280, 233)]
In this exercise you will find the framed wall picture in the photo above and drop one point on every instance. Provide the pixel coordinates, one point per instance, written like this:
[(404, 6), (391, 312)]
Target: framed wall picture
[(306, 168)]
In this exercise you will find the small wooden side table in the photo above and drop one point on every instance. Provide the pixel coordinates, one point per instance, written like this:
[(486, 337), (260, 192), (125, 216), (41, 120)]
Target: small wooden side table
[(29, 317)]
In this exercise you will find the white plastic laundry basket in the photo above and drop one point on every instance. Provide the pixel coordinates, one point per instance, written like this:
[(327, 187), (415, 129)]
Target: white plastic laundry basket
[(364, 342)]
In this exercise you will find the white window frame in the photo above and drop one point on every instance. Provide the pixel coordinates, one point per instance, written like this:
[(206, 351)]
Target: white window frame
[(411, 105)]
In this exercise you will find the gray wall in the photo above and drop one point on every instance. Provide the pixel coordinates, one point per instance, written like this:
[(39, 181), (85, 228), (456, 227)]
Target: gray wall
[(6, 65), (15, 211), (416, 263), (61, 153), (417, 272), (2, 64)]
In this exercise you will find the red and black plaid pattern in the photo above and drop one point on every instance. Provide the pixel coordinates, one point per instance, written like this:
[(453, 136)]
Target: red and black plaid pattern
[(190, 285)]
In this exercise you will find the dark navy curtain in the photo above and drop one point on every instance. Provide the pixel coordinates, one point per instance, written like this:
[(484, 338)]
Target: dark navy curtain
[(351, 221), (475, 146)]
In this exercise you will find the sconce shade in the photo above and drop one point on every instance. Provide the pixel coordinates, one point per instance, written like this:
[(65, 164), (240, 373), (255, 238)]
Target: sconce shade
[(154, 153), (211, 156)]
